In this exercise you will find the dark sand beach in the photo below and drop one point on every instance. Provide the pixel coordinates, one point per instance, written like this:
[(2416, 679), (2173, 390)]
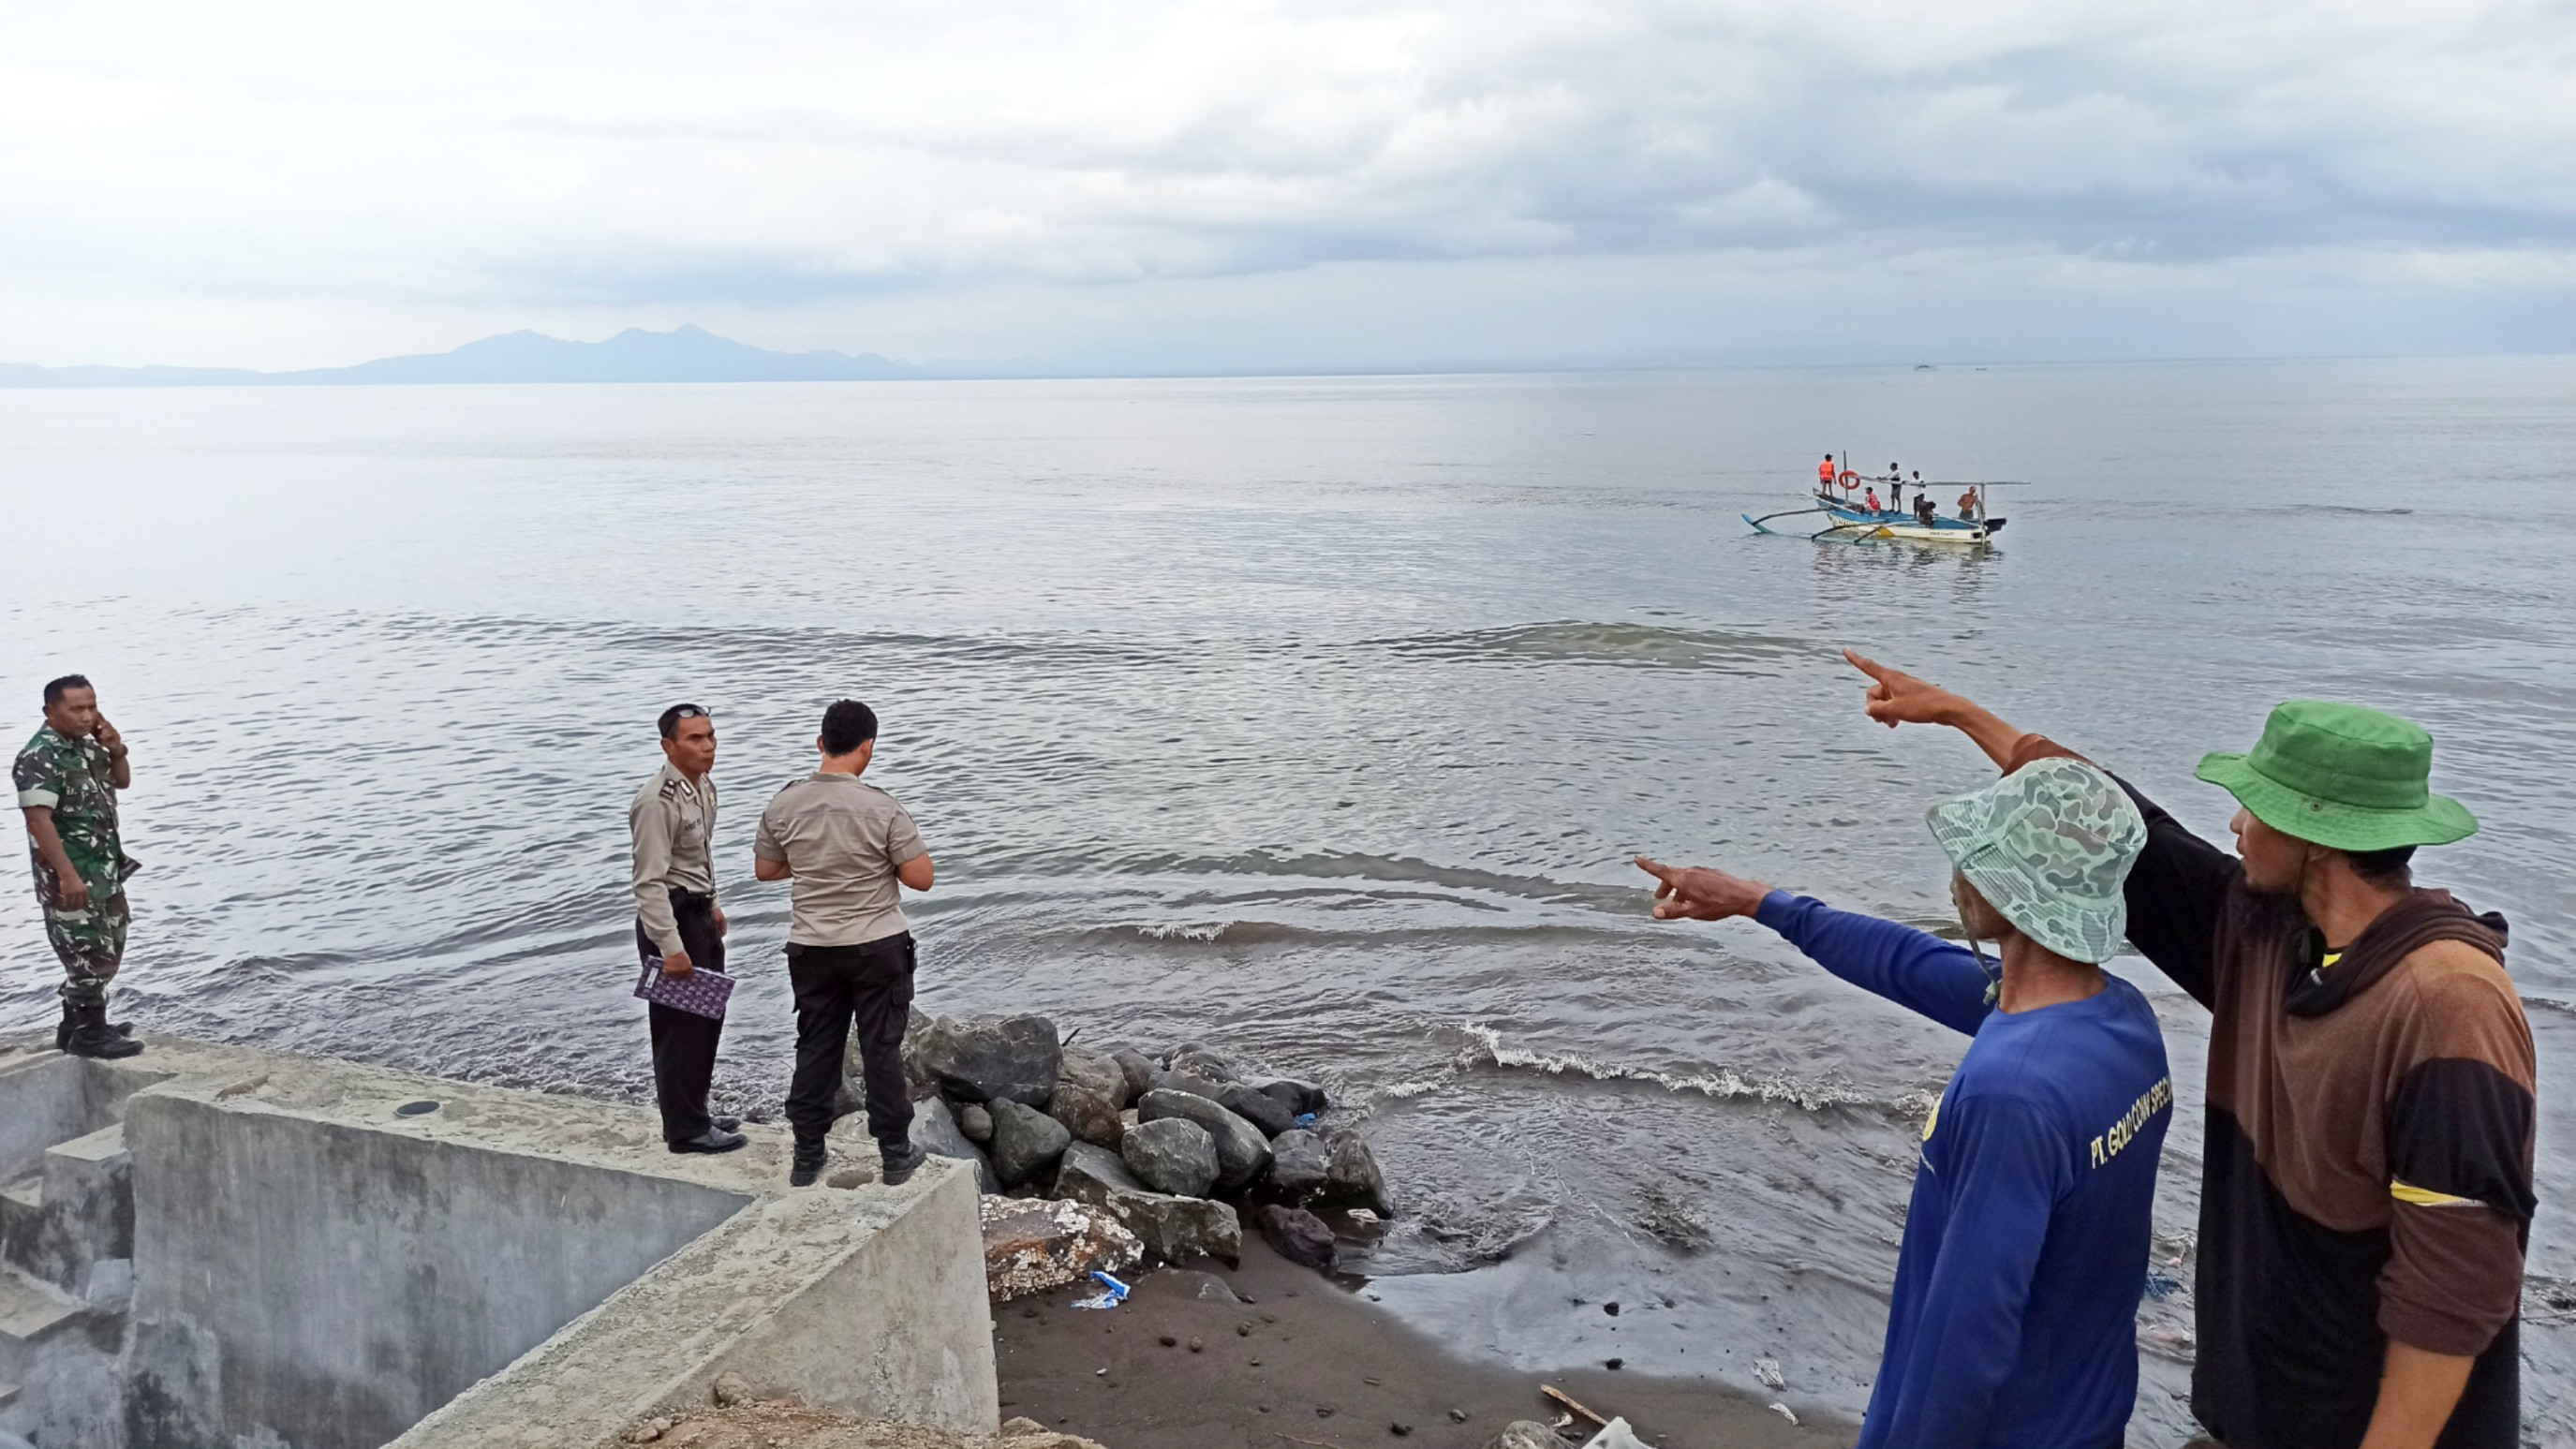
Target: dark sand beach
[(1288, 1358)]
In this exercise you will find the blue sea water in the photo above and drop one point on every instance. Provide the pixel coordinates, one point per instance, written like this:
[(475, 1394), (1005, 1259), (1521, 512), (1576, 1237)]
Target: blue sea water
[(1314, 718)]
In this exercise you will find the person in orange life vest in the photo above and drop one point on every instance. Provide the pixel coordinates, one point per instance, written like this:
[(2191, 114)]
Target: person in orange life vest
[(1871, 498), (1825, 476)]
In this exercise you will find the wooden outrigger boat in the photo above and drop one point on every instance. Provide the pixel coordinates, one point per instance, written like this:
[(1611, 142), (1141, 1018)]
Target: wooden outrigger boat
[(1847, 520)]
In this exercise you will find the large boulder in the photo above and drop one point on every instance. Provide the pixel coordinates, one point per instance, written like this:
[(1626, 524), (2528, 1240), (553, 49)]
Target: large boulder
[(1256, 1108), (1087, 1068), (1032, 1245), (1026, 1142), (1137, 1069), (1195, 1085), (1012, 1058), (1087, 1173), (1298, 1235), (935, 1131), (1351, 1174), (1173, 1228), (1177, 1229), (1199, 1061), (1242, 1153), (1171, 1154), (1089, 1116), (1298, 1097), (1300, 1163)]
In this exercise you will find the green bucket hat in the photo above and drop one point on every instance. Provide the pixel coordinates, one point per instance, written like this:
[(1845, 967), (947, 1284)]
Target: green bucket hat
[(2344, 777), (2049, 845)]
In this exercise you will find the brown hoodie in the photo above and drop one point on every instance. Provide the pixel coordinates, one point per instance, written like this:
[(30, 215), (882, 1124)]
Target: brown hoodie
[(2367, 1169)]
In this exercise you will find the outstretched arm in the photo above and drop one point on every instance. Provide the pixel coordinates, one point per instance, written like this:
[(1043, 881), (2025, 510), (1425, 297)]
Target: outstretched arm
[(1915, 969), (1896, 697), (2177, 889)]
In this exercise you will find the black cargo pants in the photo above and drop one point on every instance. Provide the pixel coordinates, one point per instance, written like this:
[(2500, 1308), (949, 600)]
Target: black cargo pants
[(841, 991), (684, 1043)]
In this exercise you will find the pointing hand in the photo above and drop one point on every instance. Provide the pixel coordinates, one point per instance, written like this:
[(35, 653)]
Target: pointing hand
[(1697, 893), (1896, 697)]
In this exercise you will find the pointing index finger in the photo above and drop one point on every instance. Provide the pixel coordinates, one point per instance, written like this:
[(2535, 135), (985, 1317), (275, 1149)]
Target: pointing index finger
[(1867, 665)]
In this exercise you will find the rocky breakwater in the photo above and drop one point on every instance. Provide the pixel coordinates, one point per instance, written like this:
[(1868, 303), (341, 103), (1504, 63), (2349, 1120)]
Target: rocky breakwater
[(1163, 1158)]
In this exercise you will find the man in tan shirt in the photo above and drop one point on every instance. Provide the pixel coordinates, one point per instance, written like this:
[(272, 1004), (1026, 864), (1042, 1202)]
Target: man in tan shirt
[(678, 925), (851, 849)]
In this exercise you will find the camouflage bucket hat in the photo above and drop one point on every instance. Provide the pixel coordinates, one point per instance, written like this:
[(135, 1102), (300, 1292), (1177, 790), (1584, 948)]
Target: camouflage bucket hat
[(2049, 845)]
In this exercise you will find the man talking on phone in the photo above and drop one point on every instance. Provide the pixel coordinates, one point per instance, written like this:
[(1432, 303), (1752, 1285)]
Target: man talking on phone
[(678, 925), (67, 779)]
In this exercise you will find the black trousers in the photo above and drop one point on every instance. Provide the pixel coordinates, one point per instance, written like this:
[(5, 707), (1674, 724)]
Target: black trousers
[(684, 1043), (864, 990)]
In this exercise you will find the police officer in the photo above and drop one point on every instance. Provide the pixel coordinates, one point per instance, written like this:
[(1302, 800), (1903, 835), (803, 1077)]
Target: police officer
[(678, 926), (67, 779)]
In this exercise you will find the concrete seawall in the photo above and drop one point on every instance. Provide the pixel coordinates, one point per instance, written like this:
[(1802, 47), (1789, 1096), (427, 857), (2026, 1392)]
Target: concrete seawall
[(213, 1245)]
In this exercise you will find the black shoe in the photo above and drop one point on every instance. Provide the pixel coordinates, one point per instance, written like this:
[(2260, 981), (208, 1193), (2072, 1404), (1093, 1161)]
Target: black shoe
[(804, 1170), (714, 1139), (63, 1033), (901, 1163), (87, 1034), (726, 1124)]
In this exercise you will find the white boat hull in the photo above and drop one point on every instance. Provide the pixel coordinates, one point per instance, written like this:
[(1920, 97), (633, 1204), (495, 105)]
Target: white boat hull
[(1859, 523)]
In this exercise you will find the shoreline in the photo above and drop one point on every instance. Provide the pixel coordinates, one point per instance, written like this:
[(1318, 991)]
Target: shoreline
[(1289, 1357)]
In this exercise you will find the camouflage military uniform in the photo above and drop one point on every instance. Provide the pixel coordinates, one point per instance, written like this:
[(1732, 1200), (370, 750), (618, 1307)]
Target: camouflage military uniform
[(76, 779)]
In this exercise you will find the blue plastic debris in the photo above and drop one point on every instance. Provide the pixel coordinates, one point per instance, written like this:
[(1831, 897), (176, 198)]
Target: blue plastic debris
[(2161, 1286), (1111, 1294), (1305, 1119)]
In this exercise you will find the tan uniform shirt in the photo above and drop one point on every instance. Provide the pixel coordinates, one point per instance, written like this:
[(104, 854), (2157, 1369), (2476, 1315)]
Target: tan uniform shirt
[(674, 823), (843, 838)]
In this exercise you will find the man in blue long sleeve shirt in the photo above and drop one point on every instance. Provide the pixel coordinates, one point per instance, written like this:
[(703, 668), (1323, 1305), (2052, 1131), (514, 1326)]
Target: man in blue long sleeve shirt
[(2012, 1324)]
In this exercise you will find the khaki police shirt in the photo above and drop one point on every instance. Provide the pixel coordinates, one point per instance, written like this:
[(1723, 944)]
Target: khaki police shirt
[(674, 823), (843, 838)]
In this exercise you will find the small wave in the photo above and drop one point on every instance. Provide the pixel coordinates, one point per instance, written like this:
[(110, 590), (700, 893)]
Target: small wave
[(1345, 865), (1628, 646), (1486, 1047)]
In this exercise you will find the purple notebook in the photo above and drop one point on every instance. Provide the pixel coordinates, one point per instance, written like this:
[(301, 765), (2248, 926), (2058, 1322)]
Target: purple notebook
[(701, 993)]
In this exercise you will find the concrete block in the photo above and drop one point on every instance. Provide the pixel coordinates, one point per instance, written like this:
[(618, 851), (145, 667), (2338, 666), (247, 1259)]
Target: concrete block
[(85, 1211), (868, 1299), (350, 1277)]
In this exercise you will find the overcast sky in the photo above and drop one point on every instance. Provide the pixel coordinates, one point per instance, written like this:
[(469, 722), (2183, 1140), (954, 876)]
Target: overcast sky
[(1149, 186)]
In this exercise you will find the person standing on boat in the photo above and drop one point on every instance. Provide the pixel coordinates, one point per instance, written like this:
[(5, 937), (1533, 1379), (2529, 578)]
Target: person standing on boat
[(1896, 496), (1825, 478), (1968, 504), (2366, 1182), (2014, 1316)]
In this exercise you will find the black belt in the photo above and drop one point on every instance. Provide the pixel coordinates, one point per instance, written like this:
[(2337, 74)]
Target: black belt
[(696, 900)]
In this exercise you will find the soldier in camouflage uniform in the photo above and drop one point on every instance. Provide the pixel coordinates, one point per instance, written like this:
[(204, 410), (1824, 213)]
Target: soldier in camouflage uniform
[(67, 778)]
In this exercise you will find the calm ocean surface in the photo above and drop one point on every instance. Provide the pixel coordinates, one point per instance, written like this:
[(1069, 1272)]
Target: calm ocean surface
[(1314, 718)]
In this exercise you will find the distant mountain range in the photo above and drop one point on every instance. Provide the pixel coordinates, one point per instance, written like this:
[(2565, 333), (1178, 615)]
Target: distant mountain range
[(687, 354)]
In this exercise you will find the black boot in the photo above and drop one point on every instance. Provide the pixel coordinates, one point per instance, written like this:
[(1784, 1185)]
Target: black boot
[(806, 1167), (63, 1033), (900, 1163), (91, 1036)]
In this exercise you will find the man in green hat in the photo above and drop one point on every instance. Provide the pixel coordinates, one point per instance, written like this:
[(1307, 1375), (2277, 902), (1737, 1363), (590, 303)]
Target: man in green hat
[(2013, 1320), (2366, 1193)]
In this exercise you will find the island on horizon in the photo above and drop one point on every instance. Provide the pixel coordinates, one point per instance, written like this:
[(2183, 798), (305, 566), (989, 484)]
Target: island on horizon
[(688, 353)]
